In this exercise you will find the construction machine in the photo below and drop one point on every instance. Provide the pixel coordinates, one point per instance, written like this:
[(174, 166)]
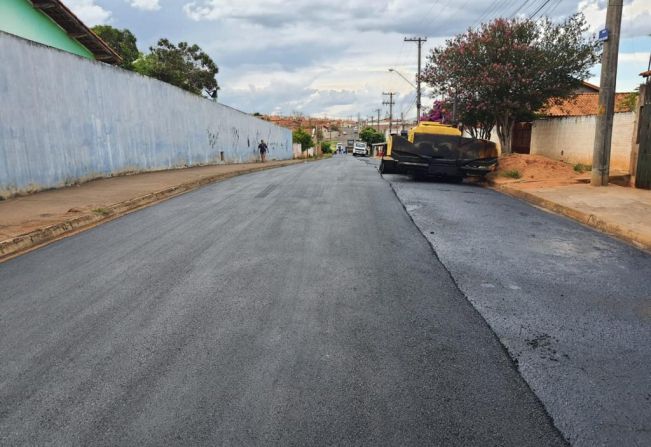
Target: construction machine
[(437, 150)]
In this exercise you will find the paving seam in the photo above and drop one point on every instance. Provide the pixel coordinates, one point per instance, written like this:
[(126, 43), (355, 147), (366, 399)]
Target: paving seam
[(512, 361)]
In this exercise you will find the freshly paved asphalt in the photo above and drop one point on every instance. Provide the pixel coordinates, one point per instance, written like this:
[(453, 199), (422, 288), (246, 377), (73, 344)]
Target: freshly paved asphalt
[(571, 305), (298, 306)]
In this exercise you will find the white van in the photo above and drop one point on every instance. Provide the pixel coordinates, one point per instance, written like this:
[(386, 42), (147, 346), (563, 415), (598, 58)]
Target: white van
[(359, 148)]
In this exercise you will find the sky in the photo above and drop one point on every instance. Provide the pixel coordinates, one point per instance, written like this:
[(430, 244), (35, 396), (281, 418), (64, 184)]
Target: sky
[(331, 57)]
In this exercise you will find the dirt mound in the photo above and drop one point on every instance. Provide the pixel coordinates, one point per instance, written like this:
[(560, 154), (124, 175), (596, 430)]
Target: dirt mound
[(527, 168)]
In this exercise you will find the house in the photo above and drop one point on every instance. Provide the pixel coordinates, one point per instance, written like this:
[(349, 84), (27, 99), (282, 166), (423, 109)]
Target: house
[(584, 104), (565, 130), (51, 23)]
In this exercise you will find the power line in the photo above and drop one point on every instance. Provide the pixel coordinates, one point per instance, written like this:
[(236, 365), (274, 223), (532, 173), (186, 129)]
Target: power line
[(553, 8), (519, 9), (541, 7), (485, 13)]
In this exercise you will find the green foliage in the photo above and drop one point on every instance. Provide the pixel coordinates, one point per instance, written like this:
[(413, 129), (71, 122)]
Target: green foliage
[(371, 136), (630, 101), (122, 41), (508, 69), (512, 173), (183, 65), (326, 147), (581, 168), (102, 211), (302, 137)]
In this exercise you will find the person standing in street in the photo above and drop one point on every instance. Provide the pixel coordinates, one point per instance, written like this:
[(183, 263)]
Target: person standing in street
[(262, 147)]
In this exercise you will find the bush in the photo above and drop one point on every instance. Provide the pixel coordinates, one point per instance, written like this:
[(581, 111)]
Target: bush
[(581, 168), (512, 173), (304, 138), (326, 147)]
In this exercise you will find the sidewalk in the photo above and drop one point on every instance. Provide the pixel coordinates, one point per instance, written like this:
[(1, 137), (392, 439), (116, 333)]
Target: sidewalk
[(31, 221), (620, 211)]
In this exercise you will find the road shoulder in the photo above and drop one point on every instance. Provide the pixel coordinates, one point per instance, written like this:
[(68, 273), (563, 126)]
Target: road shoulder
[(32, 221)]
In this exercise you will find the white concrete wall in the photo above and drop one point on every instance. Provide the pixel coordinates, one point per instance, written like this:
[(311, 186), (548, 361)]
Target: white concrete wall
[(297, 150), (494, 138), (65, 119), (571, 139)]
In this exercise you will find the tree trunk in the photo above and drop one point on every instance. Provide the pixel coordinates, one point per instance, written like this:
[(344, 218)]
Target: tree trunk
[(505, 132)]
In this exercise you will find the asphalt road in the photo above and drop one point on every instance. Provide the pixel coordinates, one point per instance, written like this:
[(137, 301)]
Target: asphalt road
[(297, 306), (571, 305)]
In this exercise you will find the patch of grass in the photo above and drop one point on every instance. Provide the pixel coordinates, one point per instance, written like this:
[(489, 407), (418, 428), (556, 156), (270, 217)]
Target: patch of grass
[(512, 173), (102, 211), (581, 168)]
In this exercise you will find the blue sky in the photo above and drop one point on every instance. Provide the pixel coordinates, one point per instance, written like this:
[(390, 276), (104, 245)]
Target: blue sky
[(331, 57)]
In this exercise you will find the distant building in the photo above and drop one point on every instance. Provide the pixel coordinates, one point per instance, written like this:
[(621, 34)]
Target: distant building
[(51, 23)]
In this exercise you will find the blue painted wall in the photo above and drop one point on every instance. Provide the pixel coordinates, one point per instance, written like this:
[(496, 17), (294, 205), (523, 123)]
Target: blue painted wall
[(65, 119)]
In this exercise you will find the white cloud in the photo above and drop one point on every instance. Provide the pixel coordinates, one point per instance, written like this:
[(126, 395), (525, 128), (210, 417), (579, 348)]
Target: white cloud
[(332, 56), (638, 57), (89, 13), (145, 5), (636, 16)]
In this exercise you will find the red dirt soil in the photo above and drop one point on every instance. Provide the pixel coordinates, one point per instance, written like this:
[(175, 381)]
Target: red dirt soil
[(534, 168)]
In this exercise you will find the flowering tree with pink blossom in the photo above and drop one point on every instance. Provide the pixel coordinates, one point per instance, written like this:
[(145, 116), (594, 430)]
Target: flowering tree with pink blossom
[(509, 69), (439, 113)]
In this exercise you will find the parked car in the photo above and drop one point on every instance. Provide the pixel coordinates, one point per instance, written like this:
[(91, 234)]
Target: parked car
[(360, 149)]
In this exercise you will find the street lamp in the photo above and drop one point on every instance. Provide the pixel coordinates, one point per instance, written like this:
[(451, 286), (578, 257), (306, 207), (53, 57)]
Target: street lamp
[(400, 74)]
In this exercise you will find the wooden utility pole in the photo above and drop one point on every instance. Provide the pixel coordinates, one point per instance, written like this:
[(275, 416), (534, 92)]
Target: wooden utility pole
[(378, 119), (420, 41), (606, 111), (390, 103)]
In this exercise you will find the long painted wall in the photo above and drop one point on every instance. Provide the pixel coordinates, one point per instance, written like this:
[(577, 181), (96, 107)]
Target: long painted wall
[(65, 119)]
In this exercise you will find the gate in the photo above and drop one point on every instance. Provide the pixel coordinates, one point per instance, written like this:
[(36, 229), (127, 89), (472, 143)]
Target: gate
[(643, 171), (521, 142)]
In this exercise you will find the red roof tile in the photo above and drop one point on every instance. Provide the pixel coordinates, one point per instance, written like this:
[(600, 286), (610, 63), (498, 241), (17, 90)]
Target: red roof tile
[(585, 104)]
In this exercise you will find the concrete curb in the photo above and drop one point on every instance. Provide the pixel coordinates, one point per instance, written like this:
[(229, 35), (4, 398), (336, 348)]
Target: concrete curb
[(11, 248), (590, 220)]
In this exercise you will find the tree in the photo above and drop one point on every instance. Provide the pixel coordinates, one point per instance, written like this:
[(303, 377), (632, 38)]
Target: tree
[(438, 113), (371, 136), (326, 147), (183, 65), (477, 119), (302, 137), (508, 69), (122, 41)]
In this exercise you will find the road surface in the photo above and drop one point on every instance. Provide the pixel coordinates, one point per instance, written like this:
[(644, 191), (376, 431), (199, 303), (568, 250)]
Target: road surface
[(297, 306), (571, 305)]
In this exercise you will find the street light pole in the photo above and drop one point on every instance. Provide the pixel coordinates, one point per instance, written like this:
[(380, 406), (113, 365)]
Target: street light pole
[(393, 70)]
